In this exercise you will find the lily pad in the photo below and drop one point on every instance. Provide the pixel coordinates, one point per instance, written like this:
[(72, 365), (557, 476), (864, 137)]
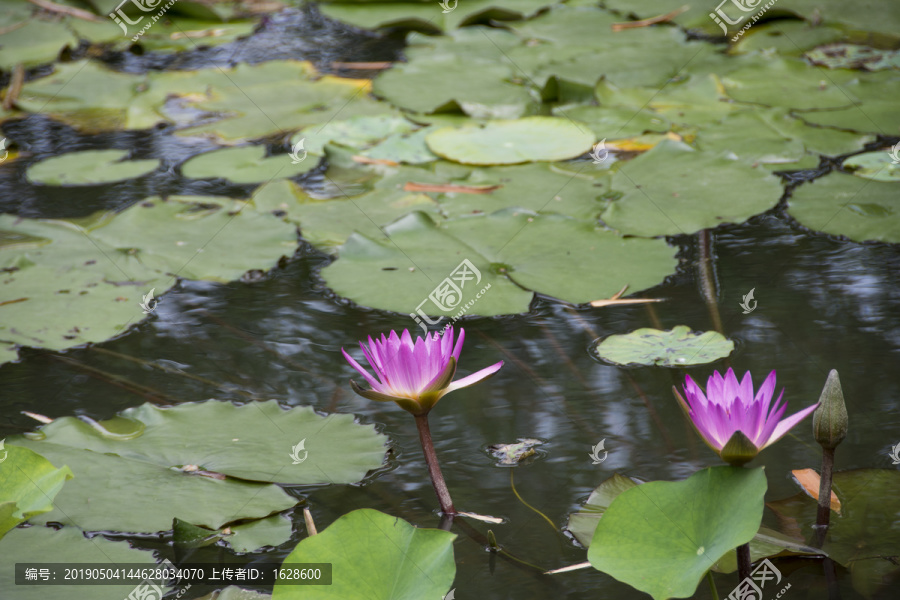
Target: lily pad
[(154, 494), (426, 17), (508, 142), (854, 207), (662, 537), (247, 164), (766, 542), (432, 84), (877, 166), (254, 536), (28, 484), (510, 455), (251, 442), (395, 560), (676, 347), (33, 42), (66, 546), (583, 523), (356, 132), (515, 251), (673, 189), (90, 167)]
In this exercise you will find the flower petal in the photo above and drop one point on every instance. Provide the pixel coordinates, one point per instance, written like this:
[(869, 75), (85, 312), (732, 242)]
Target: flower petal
[(474, 377), (375, 384), (786, 425)]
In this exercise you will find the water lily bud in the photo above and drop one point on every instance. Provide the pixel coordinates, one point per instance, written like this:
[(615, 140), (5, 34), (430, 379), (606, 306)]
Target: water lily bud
[(830, 419)]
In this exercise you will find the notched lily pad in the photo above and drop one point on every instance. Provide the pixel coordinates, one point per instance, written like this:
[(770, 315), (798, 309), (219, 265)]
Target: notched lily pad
[(676, 347), (877, 166)]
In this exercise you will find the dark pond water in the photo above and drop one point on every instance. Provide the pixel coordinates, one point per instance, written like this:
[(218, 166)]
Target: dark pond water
[(822, 303)]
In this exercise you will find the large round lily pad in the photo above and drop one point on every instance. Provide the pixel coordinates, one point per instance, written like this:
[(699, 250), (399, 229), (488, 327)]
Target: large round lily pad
[(678, 346), (662, 537), (509, 142), (251, 442), (66, 546), (860, 209), (375, 557), (89, 167), (247, 164)]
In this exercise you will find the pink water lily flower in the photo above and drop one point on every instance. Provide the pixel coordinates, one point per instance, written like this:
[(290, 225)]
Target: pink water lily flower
[(734, 422), (417, 374)]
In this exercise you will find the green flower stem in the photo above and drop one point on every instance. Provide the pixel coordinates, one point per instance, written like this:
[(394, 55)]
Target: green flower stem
[(823, 514), (434, 469), (712, 585)]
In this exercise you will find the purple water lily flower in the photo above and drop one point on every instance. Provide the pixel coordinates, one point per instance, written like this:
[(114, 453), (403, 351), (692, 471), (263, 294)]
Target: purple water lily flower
[(734, 422), (417, 374)]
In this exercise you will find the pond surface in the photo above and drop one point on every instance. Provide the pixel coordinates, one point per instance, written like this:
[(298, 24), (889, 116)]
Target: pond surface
[(823, 303)]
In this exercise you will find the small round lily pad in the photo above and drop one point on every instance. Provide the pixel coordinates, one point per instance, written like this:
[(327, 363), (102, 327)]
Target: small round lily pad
[(672, 348), (512, 141)]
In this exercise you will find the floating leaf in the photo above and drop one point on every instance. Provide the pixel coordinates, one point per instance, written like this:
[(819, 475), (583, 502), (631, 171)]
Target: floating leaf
[(426, 17), (583, 523), (877, 166), (809, 480), (247, 164), (512, 141), (512, 454), (674, 189), (839, 204), (432, 84), (256, 535), (65, 546), (28, 484), (395, 560), (854, 56), (89, 168), (33, 42), (662, 537), (678, 346), (251, 442), (514, 251)]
